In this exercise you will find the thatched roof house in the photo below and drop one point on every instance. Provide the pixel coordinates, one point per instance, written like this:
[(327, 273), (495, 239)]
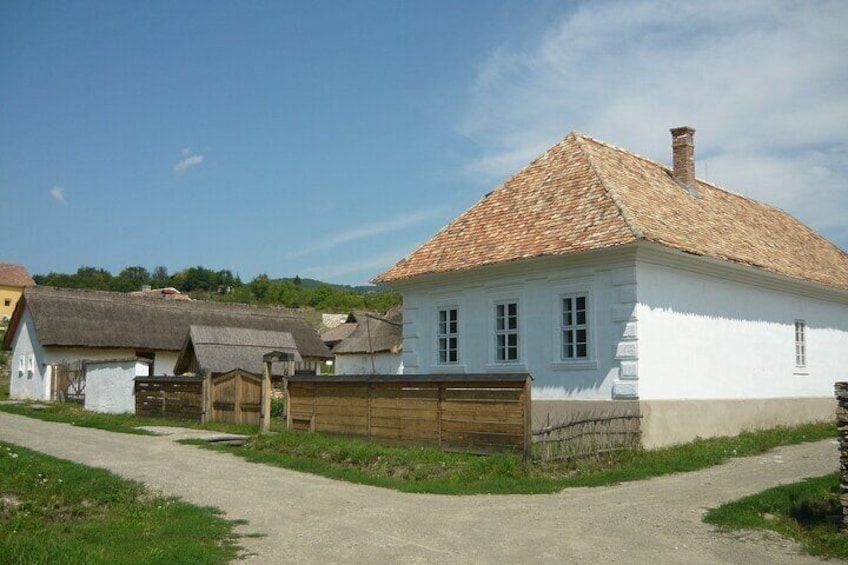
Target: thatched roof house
[(338, 334), (218, 350), (374, 345), (98, 319), (374, 334)]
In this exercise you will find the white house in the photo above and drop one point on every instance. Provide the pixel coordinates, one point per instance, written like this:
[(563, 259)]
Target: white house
[(56, 325), (110, 385), (372, 344), (621, 283)]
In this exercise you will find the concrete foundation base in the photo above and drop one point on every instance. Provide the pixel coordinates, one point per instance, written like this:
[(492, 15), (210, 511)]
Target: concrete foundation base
[(669, 422)]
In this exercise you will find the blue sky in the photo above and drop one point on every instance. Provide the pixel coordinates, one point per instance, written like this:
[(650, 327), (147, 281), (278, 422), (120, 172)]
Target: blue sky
[(329, 139)]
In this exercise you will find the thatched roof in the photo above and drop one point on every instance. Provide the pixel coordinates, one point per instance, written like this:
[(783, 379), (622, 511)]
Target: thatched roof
[(98, 319), (221, 350), (375, 334), (336, 335)]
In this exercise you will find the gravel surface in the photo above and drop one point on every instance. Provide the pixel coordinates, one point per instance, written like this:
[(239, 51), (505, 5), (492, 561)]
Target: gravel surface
[(308, 519)]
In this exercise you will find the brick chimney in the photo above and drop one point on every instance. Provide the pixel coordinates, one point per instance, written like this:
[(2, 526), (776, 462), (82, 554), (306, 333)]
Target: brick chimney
[(683, 148)]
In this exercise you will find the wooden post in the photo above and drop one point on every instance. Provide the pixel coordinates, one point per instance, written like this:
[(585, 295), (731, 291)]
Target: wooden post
[(528, 420), (204, 414), (266, 398)]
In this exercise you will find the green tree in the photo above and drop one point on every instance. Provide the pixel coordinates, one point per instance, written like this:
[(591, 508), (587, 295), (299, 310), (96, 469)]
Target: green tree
[(159, 278), (260, 287)]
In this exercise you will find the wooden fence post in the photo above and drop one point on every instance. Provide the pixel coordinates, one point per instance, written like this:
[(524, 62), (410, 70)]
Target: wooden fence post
[(266, 398), (528, 420)]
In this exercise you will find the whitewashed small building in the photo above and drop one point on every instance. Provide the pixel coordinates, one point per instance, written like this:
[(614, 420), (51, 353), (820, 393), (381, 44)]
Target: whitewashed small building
[(52, 326), (623, 284), (372, 344), (110, 384)]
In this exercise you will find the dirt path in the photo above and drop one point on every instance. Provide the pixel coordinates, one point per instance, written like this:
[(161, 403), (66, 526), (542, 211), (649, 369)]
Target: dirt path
[(309, 519)]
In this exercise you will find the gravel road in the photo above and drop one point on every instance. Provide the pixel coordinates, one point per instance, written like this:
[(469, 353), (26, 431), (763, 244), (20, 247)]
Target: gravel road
[(309, 519)]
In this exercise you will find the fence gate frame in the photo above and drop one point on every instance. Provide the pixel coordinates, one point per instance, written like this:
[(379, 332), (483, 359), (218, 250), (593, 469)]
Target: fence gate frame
[(235, 396), (67, 381)]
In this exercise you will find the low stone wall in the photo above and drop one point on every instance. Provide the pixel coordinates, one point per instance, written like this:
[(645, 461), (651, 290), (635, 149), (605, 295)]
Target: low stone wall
[(841, 390)]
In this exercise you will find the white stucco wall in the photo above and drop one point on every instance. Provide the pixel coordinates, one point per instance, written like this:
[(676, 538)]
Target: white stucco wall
[(27, 352), (109, 385), (384, 363), (36, 384), (537, 286), (665, 326), (708, 337)]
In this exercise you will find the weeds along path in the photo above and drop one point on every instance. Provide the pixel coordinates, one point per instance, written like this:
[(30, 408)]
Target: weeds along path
[(308, 519)]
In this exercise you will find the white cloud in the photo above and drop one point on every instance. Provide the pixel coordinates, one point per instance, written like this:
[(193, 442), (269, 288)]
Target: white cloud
[(370, 267), (58, 194), (398, 223), (184, 164), (764, 83)]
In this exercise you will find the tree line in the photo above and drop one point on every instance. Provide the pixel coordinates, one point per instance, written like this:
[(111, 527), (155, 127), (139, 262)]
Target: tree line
[(207, 284)]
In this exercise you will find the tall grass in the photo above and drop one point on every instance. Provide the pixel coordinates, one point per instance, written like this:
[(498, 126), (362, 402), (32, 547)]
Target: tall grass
[(809, 512), (54, 511)]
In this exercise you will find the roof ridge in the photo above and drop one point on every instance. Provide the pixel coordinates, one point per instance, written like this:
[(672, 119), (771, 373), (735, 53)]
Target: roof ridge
[(626, 215), (668, 168)]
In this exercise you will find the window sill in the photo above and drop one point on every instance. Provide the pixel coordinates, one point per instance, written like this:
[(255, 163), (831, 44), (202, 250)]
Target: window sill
[(449, 368), (506, 368), (587, 365), (801, 373)]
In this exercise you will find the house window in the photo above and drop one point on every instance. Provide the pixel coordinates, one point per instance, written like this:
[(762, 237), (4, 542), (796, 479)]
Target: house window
[(574, 327), (21, 361), (506, 332), (448, 335), (7, 302), (800, 344)]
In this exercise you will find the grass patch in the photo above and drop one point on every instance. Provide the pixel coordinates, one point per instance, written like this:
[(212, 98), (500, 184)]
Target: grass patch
[(54, 511), (808, 512), (434, 471), (74, 414), (431, 470)]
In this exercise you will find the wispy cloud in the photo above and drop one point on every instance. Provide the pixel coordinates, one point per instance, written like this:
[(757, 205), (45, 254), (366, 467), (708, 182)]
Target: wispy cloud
[(58, 194), (368, 267), (398, 223), (187, 162), (764, 82)]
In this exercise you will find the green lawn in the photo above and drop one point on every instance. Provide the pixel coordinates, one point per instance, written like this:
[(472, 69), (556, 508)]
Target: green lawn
[(808, 512), (431, 470), (55, 512)]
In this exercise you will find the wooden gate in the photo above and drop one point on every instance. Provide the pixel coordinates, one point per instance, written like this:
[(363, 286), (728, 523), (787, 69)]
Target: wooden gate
[(68, 382), (236, 397)]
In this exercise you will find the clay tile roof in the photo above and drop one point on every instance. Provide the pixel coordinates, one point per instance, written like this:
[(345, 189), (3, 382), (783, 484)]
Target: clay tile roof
[(583, 194), (12, 274)]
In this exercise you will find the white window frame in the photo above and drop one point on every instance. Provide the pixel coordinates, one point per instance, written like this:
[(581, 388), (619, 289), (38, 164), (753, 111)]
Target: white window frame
[(444, 335), (800, 327), (505, 331), (578, 287), (574, 327)]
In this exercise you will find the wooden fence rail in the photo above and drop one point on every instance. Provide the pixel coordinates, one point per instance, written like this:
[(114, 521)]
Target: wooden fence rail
[(169, 397), (477, 413)]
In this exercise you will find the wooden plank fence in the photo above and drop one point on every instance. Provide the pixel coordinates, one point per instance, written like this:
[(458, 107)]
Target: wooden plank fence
[(478, 413), (169, 397)]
